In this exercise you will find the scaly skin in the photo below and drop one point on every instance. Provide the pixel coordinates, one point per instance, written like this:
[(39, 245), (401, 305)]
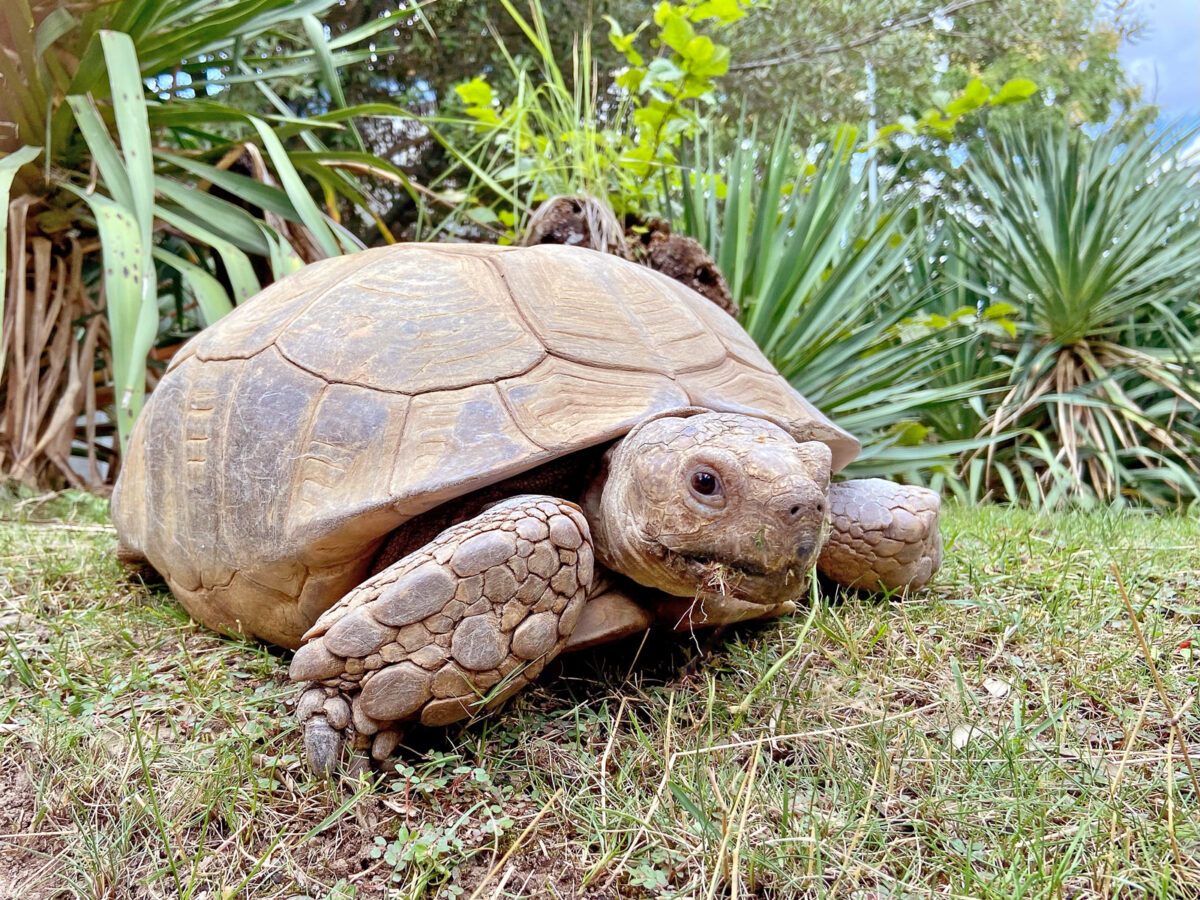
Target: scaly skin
[(882, 535), (719, 517), (446, 632)]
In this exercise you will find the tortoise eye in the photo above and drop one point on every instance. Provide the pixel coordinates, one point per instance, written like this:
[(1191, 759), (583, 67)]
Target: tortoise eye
[(705, 483)]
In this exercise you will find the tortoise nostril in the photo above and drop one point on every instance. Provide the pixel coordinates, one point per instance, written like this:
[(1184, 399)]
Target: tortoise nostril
[(794, 511)]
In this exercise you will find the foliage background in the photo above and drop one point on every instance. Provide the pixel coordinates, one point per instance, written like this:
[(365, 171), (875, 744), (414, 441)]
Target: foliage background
[(214, 148)]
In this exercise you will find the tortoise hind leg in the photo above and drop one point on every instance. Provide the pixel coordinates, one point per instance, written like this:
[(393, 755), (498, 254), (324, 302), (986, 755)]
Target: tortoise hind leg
[(882, 534), (449, 631)]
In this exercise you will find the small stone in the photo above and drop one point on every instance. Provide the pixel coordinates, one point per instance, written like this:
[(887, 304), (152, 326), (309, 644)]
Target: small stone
[(373, 662), (429, 657), (413, 637), (395, 692), (310, 701), (357, 635), (384, 745), (478, 608), (415, 595), (565, 582), (544, 561), (564, 533), (517, 566), (532, 529), (478, 644), (514, 612), (454, 609), (567, 557), (499, 585), (447, 710), (392, 653), (355, 666), (363, 723), (442, 553), (439, 624), (483, 551), (469, 590), (313, 662), (337, 713), (524, 548), (536, 636), (548, 507)]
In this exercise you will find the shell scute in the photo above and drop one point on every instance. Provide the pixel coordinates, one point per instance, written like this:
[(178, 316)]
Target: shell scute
[(290, 438), (424, 321)]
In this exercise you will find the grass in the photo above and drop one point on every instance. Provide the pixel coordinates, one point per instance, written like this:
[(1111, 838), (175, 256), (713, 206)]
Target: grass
[(1002, 735)]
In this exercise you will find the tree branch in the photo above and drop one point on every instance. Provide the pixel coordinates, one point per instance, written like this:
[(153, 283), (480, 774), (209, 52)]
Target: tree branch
[(900, 24)]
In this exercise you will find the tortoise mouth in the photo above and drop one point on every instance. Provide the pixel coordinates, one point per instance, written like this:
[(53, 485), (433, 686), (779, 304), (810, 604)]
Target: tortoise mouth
[(742, 579)]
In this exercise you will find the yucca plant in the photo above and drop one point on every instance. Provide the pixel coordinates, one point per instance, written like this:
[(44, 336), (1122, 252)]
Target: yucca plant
[(142, 205), (822, 277), (1095, 241)]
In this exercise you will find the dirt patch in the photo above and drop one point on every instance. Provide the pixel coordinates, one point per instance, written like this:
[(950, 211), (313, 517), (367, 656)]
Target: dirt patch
[(27, 847)]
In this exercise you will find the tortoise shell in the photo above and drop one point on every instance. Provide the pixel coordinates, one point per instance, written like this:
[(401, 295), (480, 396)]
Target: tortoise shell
[(288, 440)]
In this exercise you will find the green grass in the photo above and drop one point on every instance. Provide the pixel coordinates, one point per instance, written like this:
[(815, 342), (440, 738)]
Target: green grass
[(1001, 735)]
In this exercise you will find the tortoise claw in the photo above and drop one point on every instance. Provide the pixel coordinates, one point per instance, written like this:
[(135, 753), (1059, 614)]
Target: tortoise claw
[(322, 746)]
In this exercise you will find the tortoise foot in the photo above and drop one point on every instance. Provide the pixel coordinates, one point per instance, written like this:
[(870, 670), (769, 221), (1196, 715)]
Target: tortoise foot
[(882, 535), (449, 631), (332, 722)]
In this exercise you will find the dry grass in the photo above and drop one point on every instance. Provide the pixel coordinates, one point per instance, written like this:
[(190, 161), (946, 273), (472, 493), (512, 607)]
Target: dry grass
[(1003, 735)]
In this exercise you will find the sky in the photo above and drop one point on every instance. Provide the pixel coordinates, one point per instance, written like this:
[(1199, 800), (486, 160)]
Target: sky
[(1166, 59)]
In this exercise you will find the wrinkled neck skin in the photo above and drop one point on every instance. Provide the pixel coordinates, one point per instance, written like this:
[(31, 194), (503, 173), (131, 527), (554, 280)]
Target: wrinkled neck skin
[(750, 542)]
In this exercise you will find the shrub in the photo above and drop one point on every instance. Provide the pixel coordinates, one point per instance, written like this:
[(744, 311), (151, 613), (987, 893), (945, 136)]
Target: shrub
[(1094, 241)]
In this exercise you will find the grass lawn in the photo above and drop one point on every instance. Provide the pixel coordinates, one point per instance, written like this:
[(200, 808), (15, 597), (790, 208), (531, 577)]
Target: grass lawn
[(1004, 734)]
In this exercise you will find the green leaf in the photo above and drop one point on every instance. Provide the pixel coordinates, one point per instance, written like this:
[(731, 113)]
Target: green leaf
[(725, 10), (284, 260), (1016, 90), (676, 32), (476, 92), (130, 303), (237, 264), (210, 295), (53, 27), (252, 191), (9, 164), (232, 221), (104, 151), (129, 107), (296, 191), (974, 96)]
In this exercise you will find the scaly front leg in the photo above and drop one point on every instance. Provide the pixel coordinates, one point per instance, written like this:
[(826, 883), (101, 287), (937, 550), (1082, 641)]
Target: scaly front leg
[(882, 535), (452, 629)]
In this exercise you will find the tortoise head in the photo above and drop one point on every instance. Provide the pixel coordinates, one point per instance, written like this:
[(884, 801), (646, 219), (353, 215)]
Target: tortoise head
[(713, 505)]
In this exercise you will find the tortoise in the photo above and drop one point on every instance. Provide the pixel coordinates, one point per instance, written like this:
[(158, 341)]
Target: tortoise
[(431, 468)]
